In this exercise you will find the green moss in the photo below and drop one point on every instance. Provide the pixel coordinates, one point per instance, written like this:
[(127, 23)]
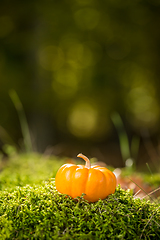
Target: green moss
[(22, 169), (31, 208), (40, 212)]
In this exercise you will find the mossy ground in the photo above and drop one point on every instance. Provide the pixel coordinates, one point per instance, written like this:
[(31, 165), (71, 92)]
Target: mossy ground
[(31, 208), (22, 169)]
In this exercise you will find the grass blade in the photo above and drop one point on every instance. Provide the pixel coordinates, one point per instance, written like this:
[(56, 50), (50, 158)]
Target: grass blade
[(23, 121)]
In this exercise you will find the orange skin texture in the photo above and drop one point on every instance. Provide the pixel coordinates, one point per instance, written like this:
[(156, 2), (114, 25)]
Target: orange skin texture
[(95, 182)]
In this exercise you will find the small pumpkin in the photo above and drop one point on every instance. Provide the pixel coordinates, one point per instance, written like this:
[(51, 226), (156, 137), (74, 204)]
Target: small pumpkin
[(94, 182)]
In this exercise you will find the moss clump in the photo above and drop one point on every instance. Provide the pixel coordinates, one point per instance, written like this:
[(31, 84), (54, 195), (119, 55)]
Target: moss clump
[(40, 212)]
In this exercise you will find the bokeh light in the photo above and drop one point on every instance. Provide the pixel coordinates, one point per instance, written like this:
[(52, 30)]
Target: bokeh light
[(82, 120), (51, 58), (141, 101), (65, 82), (86, 120), (80, 55)]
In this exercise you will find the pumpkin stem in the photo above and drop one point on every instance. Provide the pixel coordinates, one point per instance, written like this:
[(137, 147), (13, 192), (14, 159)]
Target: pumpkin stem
[(88, 164)]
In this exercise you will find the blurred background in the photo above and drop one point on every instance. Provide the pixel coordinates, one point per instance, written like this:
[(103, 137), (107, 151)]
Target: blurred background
[(83, 76)]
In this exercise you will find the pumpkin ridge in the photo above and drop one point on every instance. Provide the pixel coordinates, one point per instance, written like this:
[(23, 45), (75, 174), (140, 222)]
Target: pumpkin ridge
[(90, 188), (72, 182), (86, 184), (79, 182)]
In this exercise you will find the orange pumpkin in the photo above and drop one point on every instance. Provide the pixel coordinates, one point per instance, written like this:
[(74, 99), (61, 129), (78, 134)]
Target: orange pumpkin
[(94, 181)]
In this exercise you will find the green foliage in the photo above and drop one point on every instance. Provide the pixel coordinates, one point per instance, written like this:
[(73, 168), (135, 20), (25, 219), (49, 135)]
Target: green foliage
[(129, 151), (40, 212)]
